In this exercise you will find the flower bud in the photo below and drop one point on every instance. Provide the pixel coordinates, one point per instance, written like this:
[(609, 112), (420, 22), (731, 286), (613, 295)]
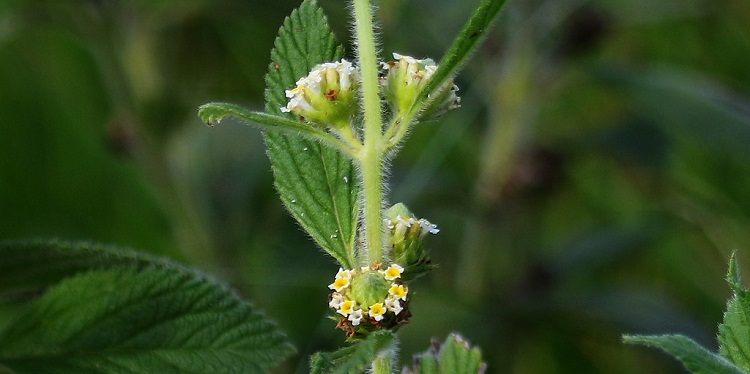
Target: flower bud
[(407, 240), (405, 78), (326, 96)]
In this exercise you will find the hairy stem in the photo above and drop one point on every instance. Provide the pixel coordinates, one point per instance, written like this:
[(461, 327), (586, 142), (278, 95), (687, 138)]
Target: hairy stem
[(371, 155), (382, 365)]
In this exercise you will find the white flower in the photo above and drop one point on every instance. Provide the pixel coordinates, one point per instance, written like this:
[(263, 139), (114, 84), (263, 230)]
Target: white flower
[(336, 300), (376, 311), (394, 305), (344, 274), (394, 271), (339, 284), (398, 291), (347, 307), (356, 317), (428, 227)]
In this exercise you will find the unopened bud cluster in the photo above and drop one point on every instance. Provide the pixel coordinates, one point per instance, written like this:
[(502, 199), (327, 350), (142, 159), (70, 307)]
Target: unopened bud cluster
[(407, 235), (326, 96), (369, 298), (405, 77)]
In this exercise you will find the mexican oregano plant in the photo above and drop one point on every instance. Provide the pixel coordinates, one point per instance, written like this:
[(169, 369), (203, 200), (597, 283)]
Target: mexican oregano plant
[(331, 127)]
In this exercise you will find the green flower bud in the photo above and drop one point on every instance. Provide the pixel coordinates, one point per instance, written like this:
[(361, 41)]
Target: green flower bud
[(406, 77), (407, 236), (369, 288), (326, 96)]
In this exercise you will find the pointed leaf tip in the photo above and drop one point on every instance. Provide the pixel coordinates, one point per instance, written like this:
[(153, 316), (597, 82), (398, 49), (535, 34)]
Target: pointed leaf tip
[(315, 183), (734, 278)]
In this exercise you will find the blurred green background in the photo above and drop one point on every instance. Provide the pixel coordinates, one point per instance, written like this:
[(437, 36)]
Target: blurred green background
[(594, 182)]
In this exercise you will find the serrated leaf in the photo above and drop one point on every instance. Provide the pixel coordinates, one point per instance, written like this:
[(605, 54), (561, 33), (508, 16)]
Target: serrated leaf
[(734, 278), (29, 267), (131, 314), (694, 357), (352, 359), (454, 356), (474, 31), (316, 183), (734, 331)]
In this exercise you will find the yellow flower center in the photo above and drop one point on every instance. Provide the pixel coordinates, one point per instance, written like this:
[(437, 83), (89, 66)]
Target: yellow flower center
[(377, 310), (399, 291), (347, 307)]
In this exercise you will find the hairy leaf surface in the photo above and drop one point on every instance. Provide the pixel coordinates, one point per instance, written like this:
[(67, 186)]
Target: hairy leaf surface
[(734, 331), (352, 359), (316, 183), (103, 310), (695, 358)]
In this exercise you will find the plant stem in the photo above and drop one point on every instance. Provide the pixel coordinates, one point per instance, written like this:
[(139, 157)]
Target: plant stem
[(383, 364), (371, 155)]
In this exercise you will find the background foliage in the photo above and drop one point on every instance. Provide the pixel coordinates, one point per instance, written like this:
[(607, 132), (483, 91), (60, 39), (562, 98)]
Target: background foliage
[(594, 182)]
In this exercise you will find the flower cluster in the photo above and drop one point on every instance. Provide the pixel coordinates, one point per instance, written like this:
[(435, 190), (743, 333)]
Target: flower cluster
[(369, 298), (404, 79), (326, 96), (407, 236)]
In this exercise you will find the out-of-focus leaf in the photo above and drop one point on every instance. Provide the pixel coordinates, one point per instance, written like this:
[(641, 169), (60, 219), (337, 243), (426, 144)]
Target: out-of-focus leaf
[(316, 183), (464, 45), (691, 104), (64, 167), (128, 314), (695, 358), (352, 359), (30, 267)]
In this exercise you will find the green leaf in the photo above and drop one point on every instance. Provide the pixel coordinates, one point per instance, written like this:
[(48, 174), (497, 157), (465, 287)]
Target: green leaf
[(128, 314), (474, 31), (695, 358), (734, 278), (213, 113), (355, 358), (734, 331), (454, 356), (316, 183), (29, 267)]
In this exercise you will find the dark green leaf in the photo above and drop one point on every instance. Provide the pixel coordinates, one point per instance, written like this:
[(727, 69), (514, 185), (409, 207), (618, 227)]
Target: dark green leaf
[(316, 183), (355, 358), (130, 314), (695, 358), (734, 331), (29, 267), (464, 45)]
